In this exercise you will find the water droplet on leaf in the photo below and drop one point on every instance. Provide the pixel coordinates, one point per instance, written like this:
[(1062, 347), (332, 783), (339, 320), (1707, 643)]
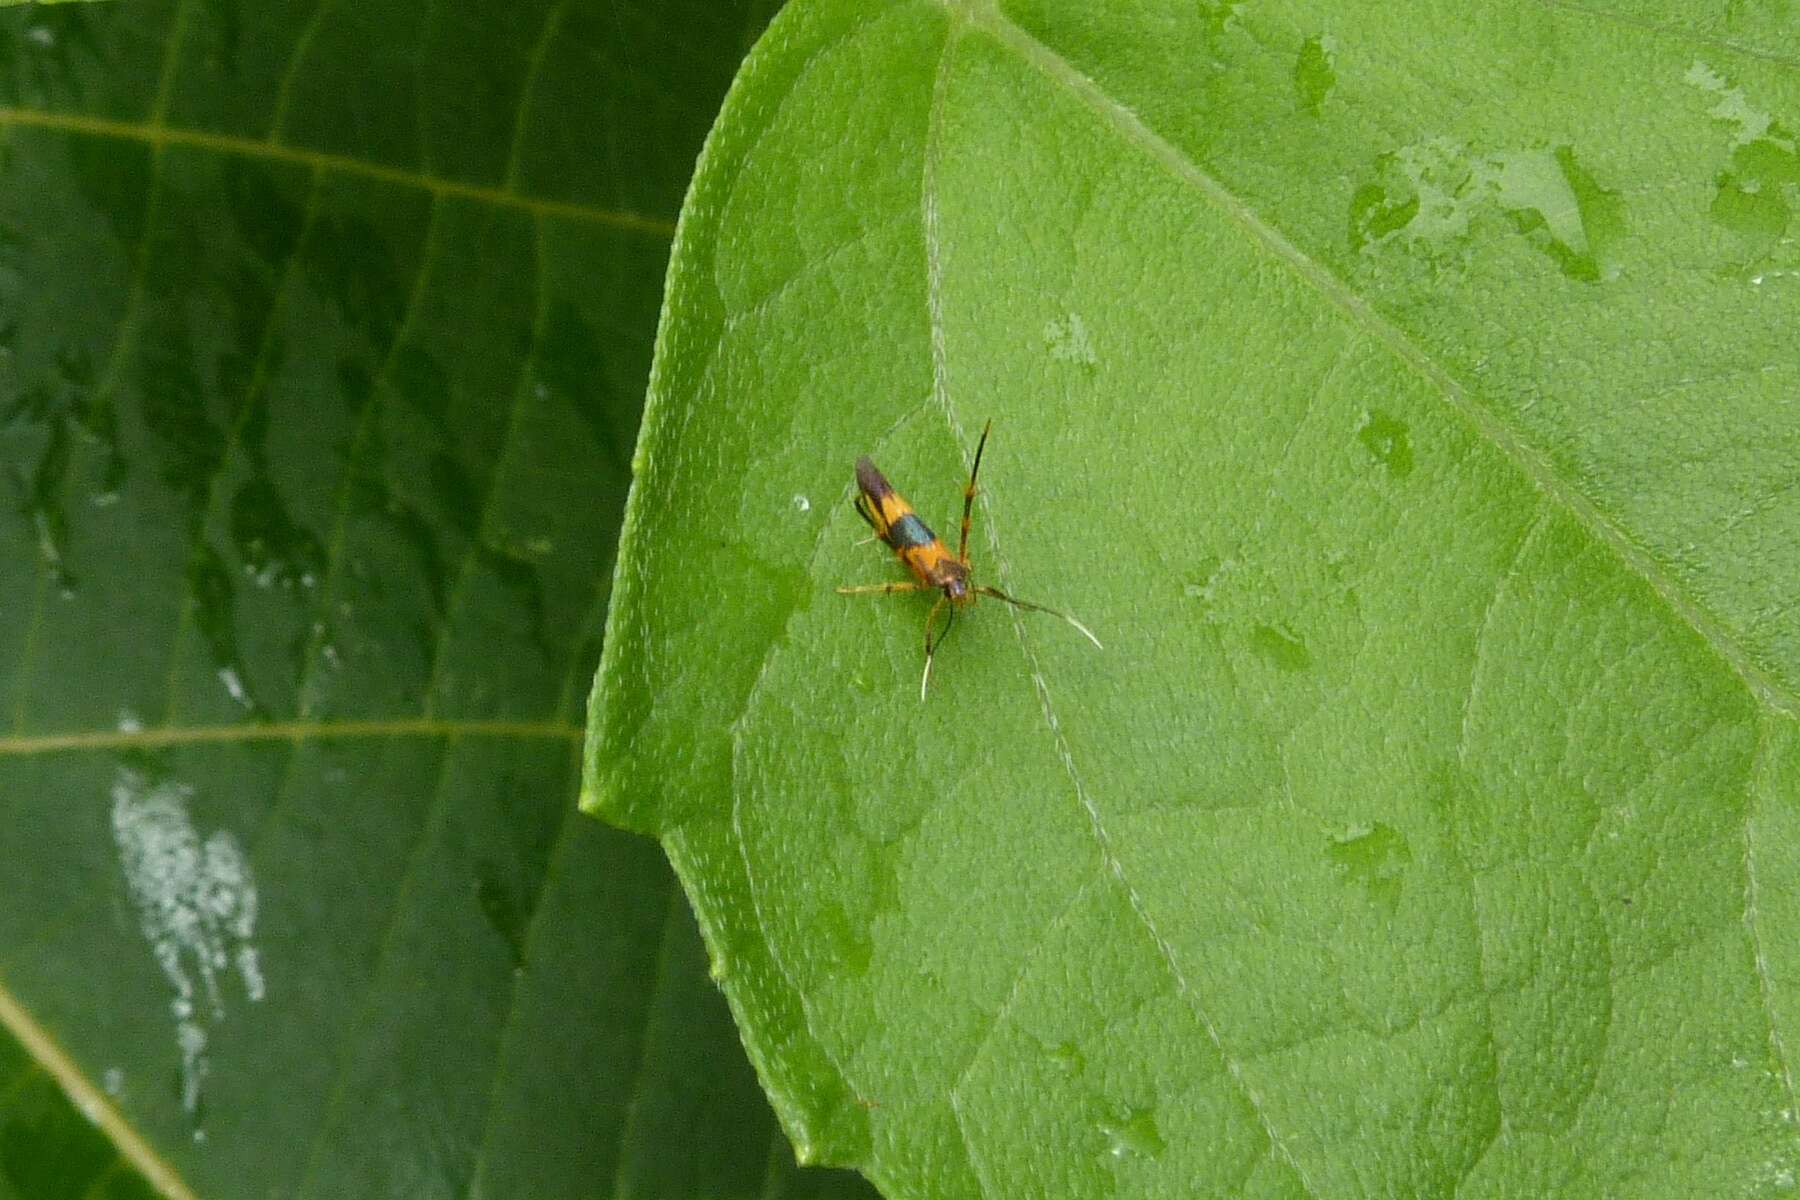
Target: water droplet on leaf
[(1133, 1135), (1388, 442)]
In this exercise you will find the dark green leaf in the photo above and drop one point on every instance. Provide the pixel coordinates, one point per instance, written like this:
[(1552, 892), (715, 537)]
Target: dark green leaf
[(322, 333)]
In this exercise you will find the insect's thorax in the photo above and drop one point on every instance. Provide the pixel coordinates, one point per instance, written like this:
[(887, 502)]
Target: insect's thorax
[(936, 567), (929, 559)]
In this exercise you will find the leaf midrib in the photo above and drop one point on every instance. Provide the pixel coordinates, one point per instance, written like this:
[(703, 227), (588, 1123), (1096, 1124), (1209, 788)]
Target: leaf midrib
[(158, 137), (1767, 690), (19, 745), (92, 1102)]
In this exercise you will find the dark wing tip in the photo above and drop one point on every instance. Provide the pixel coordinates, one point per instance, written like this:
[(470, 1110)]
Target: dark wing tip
[(871, 481)]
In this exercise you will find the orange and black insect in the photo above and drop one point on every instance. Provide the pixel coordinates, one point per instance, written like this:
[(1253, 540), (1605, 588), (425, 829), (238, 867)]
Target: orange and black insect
[(929, 560)]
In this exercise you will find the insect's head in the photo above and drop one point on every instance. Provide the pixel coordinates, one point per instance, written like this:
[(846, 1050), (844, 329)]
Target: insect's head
[(956, 583)]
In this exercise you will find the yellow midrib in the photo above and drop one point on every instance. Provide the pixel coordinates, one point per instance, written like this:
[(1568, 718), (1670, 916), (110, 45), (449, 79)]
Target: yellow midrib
[(162, 136), (19, 744), (89, 1100)]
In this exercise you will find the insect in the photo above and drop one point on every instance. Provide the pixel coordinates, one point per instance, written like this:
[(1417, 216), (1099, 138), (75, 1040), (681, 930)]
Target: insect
[(929, 560)]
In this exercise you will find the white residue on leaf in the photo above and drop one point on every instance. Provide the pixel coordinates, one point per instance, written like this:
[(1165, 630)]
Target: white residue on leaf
[(196, 904), (251, 970), (234, 685)]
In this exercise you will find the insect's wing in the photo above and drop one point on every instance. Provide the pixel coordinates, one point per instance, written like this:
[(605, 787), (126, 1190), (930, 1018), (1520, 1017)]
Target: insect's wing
[(869, 514), (876, 499)]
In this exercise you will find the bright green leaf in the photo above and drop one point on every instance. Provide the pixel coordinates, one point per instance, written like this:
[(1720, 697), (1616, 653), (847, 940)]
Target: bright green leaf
[(1406, 396), (322, 335)]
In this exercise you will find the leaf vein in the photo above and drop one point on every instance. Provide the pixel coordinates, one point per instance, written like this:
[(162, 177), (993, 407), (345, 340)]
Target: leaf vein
[(345, 1056), (279, 731), (496, 480), (1761, 785), (209, 498), (646, 1040), (334, 554), (124, 340), (159, 138), (509, 1025), (1013, 986), (98, 1107), (534, 69), (302, 47), (1691, 35)]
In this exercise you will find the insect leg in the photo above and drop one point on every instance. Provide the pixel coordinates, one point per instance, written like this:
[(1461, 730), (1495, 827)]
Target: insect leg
[(997, 594), (962, 550), (881, 589)]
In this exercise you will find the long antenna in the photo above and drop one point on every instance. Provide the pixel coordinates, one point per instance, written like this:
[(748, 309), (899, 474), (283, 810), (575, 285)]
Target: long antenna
[(962, 548), (932, 644), (997, 594)]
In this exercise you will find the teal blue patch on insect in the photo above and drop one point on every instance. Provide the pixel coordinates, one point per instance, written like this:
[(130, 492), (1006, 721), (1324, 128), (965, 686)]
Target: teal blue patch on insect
[(909, 531)]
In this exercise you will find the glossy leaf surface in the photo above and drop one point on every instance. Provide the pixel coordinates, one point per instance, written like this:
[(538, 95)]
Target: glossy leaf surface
[(1407, 397), (322, 335)]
